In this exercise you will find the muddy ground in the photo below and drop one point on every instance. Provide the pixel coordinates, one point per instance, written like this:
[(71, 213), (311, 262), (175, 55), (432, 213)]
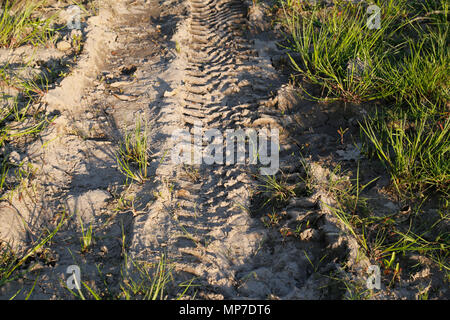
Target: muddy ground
[(175, 63)]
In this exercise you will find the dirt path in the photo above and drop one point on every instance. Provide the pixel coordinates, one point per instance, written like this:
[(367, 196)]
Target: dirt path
[(201, 222), (175, 63)]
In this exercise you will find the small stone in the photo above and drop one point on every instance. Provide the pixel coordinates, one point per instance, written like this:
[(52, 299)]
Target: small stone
[(350, 153), (309, 234), (288, 99), (104, 250), (14, 158), (63, 45), (168, 94), (37, 267)]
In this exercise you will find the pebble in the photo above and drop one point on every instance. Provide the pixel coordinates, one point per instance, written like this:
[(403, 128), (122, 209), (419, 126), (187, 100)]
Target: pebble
[(14, 158), (309, 234), (63, 45)]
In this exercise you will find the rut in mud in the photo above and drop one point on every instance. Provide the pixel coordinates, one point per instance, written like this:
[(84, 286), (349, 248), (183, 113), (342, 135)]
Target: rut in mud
[(205, 225)]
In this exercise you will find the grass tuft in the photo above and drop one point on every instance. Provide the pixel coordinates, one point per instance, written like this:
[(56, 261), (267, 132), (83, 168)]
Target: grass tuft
[(404, 64), (132, 157), (20, 25)]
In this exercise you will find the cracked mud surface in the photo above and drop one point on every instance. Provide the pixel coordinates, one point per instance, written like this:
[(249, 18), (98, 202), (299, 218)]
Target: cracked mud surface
[(177, 63)]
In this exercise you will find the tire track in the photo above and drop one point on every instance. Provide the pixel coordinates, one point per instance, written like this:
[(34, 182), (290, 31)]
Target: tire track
[(205, 229), (215, 57), (223, 236), (202, 218)]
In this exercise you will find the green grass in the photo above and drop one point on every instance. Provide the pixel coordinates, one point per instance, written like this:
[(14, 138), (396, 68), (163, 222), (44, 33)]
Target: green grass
[(23, 26), (132, 157), (275, 190), (337, 51), (138, 281), (387, 240), (87, 238), (37, 86), (151, 282), (20, 122), (404, 65), (406, 59), (420, 78), (416, 153), (403, 68), (144, 282), (12, 265)]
